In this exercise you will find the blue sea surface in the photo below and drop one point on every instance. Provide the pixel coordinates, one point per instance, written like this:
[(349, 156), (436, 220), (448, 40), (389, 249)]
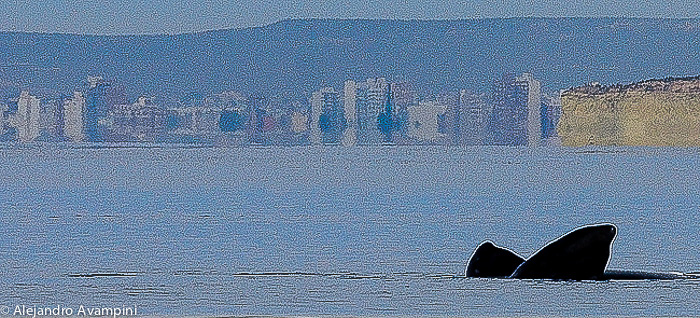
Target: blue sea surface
[(364, 231)]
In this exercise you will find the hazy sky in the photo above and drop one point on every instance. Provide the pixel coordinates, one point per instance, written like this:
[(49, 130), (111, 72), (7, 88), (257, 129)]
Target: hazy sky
[(175, 16)]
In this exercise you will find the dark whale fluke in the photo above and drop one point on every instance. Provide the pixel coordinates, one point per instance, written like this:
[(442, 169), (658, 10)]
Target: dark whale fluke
[(490, 260), (581, 254)]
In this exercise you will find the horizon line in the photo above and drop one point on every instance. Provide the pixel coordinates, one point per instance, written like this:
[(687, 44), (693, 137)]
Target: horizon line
[(265, 25)]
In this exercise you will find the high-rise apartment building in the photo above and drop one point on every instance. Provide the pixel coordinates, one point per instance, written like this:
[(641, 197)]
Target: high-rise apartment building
[(327, 119), (473, 113), (550, 113), (404, 95), (50, 119), (364, 101), (96, 107), (258, 108), (534, 105), (26, 120), (73, 110), (450, 121), (515, 116), (350, 107)]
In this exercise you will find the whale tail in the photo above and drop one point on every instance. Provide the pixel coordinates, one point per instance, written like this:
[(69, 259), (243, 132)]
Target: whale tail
[(490, 260), (581, 254)]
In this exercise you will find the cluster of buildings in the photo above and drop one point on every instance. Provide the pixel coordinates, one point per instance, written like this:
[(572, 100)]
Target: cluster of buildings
[(515, 112), (368, 112)]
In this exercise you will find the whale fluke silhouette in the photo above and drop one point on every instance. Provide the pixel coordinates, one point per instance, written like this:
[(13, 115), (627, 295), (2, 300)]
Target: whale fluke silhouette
[(582, 254), (490, 260)]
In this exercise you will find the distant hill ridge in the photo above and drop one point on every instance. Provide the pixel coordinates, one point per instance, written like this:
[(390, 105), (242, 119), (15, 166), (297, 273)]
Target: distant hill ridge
[(295, 57)]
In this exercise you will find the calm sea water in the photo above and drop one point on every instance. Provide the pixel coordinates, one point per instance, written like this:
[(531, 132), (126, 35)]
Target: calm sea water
[(338, 231)]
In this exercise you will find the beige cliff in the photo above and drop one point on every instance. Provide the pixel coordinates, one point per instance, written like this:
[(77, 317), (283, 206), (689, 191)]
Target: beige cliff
[(650, 113)]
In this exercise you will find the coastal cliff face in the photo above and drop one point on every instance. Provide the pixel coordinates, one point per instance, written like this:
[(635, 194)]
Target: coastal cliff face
[(650, 113)]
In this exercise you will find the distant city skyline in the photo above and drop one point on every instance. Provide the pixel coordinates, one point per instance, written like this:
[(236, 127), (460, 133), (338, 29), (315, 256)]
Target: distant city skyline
[(368, 112), (172, 16)]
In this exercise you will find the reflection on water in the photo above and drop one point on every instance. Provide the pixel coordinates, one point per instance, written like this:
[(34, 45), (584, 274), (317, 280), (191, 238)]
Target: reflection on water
[(362, 231)]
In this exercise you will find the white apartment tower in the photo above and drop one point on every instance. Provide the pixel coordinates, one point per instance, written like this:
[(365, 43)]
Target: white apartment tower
[(473, 113), (324, 100), (534, 102), (73, 117), (349, 101), (364, 101), (26, 119)]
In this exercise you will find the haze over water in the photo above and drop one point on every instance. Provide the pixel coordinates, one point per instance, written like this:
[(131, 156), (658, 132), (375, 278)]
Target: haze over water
[(339, 231)]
